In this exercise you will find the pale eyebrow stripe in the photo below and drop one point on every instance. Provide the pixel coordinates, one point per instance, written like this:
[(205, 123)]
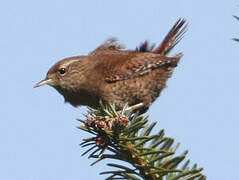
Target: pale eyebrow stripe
[(64, 65)]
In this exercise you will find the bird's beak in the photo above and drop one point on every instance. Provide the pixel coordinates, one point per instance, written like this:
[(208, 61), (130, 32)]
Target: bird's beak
[(43, 82)]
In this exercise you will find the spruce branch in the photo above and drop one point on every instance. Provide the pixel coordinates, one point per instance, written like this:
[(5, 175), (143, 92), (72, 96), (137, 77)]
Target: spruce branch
[(237, 18), (125, 136)]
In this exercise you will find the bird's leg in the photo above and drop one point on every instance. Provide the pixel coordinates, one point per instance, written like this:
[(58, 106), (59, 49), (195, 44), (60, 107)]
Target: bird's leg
[(134, 107)]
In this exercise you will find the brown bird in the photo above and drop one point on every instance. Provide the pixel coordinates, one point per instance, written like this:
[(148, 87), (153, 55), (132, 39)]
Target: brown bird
[(117, 76)]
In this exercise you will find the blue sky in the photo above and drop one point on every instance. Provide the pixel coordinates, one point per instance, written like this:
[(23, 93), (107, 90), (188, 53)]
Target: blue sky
[(38, 134)]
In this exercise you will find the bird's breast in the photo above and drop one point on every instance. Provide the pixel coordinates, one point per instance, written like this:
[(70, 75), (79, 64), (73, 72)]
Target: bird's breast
[(79, 97)]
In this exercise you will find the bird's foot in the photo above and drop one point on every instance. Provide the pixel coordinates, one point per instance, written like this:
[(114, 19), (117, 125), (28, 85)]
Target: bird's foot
[(135, 107)]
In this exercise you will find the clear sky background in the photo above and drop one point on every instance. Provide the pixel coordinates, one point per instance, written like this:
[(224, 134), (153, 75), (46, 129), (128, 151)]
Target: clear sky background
[(38, 134)]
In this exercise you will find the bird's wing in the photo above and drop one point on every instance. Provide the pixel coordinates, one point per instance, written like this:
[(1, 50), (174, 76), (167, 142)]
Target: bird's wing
[(122, 67)]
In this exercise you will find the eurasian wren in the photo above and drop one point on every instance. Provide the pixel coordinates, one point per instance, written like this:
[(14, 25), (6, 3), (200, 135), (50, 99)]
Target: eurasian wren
[(118, 76)]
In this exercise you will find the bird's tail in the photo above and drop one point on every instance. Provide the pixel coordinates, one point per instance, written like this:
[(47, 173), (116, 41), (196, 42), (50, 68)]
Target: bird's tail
[(172, 38)]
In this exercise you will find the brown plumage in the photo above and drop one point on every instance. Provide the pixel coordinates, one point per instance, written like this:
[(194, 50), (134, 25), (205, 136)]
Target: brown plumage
[(118, 76)]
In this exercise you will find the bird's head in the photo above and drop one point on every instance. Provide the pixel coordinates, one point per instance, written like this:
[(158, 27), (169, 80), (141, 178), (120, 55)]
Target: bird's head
[(66, 74)]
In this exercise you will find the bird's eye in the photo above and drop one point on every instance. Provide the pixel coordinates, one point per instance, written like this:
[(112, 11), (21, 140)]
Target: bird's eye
[(62, 71)]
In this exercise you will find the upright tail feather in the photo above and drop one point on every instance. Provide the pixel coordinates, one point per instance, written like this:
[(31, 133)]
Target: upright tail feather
[(172, 38)]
